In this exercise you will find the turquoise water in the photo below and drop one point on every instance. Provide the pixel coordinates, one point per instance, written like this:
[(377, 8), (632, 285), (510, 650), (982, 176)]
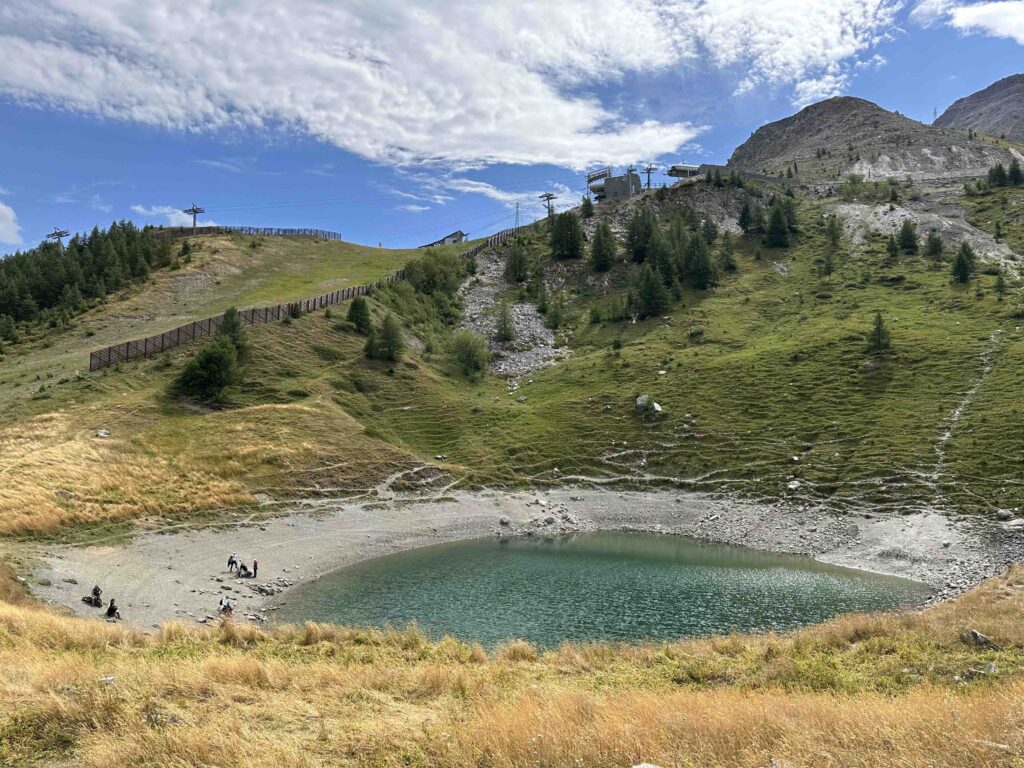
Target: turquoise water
[(598, 586)]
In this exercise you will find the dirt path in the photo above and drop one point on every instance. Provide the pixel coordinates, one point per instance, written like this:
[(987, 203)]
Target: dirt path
[(181, 575)]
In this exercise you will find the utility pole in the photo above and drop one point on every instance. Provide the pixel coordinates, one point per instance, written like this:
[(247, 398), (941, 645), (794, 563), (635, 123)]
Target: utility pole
[(648, 170), (57, 234), (547, 197), (195, 210)]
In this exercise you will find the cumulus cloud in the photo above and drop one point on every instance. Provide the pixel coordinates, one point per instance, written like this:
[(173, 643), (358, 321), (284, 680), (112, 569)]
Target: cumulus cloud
[(173, 217), (415, 82), (10, 232), (1004, 18)]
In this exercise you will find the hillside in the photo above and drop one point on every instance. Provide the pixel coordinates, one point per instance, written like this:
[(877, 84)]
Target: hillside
[(849, 135), (997, 110), (224, 270)]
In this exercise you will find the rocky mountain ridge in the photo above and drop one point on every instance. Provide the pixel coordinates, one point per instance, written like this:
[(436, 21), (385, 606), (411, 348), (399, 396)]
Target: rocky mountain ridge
[(997, 110)]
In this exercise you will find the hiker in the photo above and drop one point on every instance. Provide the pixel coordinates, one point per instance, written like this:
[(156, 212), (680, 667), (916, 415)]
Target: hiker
[(243, 571), (255, 567), (232, 562), (226, 606), (96, 592), (112, 611)]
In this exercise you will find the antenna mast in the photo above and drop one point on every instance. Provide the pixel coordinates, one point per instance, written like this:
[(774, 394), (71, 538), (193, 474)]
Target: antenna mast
[(195, 210)]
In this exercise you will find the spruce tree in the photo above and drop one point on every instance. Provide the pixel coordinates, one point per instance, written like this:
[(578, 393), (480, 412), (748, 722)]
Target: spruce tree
[(359, 315), (933, 246), (879, 339), (1000, 286), (652, 296), (777, 235), (745, 216), (231, 329), (828, 265), (834, 230), (700, 272), (586, 207), (726, 256), (638, 234), (505, 327), (1015, 176), (517, 268), (892, 247), (962, 266), (908, 236), (213, 368), (602, 248), (997, 176), (566, 236)]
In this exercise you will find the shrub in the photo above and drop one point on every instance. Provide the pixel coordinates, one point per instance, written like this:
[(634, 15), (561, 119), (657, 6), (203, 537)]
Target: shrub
[(470, 353)]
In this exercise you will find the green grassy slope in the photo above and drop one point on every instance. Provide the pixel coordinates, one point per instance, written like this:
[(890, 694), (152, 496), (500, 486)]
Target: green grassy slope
[(239, 270), (766, 387)]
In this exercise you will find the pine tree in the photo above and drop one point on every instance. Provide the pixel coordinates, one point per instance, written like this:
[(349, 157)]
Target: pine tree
[(726, 256), (710, 230), (962, 266), (586, 207), (652, 297), (758, 220), (638, 234), (359, 315), (602, 248), (834, 230), (210, 371), (566, 236), (828, 265), (892, 247), (231, 329), (745, 216), (933, 246), (908, 236), (778, 232), (997, 176), (879, 339), (1015, 176), (700, 272), (505, 327), (517, 269), (1000, 286), (387, 343)]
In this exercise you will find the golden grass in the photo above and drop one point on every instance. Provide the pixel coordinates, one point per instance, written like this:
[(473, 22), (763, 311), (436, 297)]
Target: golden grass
[(858, 691)]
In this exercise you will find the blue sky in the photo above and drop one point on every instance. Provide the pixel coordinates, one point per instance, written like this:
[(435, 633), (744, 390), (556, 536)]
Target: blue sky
[(401, 121)]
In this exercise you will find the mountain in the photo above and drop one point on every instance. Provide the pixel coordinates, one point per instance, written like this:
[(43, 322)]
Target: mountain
[(850, 135), (997, 110)]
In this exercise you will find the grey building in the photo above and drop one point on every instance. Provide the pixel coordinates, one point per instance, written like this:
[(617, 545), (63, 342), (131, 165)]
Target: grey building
[(616, 187), (457, 236)]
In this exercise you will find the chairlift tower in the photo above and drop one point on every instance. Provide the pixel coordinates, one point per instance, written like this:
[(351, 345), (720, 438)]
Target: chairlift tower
[(195, 210), (547, 197), (649, 170), (58, 235)]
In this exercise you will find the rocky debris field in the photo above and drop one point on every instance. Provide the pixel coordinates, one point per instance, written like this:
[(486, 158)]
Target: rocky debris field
[(534, 345), (861, 221)]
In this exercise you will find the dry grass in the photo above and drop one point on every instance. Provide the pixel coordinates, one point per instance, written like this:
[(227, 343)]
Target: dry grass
[(88, 693)]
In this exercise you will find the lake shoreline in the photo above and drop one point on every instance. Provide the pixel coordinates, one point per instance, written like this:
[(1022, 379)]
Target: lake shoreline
[(180, 576)]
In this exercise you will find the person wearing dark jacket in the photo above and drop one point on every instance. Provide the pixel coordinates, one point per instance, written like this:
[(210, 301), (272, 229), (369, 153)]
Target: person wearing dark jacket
[(112, 611)]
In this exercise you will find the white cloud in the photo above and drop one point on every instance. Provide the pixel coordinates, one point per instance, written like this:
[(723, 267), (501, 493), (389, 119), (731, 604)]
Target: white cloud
[(173, 217), (1004, 18), (10, 232), (413, 208), (413, 82), (4, 191)]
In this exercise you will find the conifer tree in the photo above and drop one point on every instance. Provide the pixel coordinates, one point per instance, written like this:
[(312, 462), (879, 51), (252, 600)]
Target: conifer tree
[(834, 230), (700, 272), (892, 247), (908, 236), (933, 246), (727, 256), (390, 345), (566, 236), (505, 327), (359, 315), (777, 235), (997, 176), (827, 265), (1015, 176), (962, 266), (586, 207), (517, 269), (1000, 286), (231, 329), (880, 338), (602, 248), (652, 296), (745, 216), (638, 234)]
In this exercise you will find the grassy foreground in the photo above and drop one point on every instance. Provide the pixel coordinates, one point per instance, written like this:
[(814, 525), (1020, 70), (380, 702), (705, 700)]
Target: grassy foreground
[(863, 690)]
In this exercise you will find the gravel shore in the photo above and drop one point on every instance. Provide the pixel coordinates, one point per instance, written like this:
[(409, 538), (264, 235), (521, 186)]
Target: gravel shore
[(181, 575)]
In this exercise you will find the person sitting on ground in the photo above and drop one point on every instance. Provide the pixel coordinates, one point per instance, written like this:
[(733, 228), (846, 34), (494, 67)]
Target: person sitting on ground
[(96, 593), (226, 606), (112, 611), (243, 571)]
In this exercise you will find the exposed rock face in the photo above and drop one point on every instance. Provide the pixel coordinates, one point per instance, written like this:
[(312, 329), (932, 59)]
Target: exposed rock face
[(850, 135), (996, 110)]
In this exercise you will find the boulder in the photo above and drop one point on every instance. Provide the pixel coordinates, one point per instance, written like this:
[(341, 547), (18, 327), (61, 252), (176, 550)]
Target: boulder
[(642, 401), (976, 638)]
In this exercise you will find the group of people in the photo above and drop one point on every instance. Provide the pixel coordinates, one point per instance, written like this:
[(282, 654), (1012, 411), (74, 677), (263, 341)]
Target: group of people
[(237, 566), (95, 599)]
